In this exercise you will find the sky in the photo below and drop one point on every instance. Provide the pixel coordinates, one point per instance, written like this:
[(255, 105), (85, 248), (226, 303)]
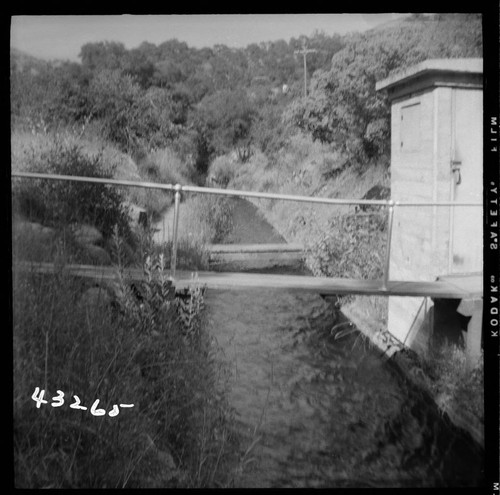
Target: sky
[(61, 37)]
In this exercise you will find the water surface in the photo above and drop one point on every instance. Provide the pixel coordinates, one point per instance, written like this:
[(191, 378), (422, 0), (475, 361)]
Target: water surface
[(328, 412)]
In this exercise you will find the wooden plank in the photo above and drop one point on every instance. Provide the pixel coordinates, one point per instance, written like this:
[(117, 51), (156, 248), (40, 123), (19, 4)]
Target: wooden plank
[(327, 286), (254, 248), (270, 257), (254, 263), (85, 271), (472, 283)]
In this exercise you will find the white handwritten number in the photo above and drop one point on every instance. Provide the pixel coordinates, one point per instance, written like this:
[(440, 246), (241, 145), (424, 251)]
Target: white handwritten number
[(76, 404), (95, 411), (115, 411), (58, 400), (38, 397)]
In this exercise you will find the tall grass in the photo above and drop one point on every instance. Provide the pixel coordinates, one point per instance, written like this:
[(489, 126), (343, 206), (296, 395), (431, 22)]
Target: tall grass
[(165, 167), (120, 349), (109, 343), (453, 385), (203, 219)]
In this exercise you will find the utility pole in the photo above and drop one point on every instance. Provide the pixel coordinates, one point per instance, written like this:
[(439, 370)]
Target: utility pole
[(304, 53)]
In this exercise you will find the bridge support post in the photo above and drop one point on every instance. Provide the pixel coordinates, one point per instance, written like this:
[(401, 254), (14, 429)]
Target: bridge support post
[(390, 220), (177, 202), (474, 309)]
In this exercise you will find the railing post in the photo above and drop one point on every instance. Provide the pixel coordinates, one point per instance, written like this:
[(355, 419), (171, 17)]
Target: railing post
[(390, 220), (177, 201)]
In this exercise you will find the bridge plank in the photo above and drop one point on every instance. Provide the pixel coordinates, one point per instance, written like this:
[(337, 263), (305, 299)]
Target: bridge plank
[(254, 248), (465, 287)]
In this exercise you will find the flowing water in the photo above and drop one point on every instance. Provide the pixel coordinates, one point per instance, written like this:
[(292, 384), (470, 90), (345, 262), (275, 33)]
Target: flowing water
[(326, 412), (317, 411)]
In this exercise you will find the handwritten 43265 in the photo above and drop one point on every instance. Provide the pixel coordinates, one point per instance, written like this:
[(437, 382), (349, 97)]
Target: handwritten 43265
[(58, 401)]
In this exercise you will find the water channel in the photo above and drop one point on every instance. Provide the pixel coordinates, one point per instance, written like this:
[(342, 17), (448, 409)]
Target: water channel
[(327, 412)]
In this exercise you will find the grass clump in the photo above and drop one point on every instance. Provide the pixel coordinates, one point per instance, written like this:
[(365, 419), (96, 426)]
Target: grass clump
[(165, 167), (130, 345), (454, 386), (223, 170)]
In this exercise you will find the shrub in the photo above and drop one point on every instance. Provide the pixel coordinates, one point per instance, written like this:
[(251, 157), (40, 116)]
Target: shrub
[(61, 203), (250, 175), (191, 253), (164, 165), (352, 247), (25, 146), (223, 170)]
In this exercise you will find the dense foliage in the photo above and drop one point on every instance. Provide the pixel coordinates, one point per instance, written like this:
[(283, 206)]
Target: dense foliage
[(343, 107), (59, 204), (201, 101), (206, 102), (357, 253)]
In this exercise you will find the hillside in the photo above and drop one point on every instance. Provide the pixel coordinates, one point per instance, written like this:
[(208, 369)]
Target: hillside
[(173, 113)]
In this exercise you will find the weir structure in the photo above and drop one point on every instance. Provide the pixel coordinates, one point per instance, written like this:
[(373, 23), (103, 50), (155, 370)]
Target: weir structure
[(436, 156)]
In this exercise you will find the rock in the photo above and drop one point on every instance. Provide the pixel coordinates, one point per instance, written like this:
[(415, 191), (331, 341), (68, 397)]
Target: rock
[(167, 471), (93, 298), (134, 212), (37, 230), (87, 234), (377, 192), (97, 254)]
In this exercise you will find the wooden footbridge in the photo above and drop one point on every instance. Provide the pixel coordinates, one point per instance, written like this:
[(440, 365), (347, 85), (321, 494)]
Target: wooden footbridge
[(466, 287)]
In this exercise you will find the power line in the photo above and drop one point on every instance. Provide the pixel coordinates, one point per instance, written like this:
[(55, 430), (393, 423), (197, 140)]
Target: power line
[(304, 53)]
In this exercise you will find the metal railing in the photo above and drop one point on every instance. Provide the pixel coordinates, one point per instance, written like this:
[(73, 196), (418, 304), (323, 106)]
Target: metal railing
[(178, 189)]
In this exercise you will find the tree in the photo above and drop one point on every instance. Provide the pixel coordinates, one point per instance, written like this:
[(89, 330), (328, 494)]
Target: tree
[(140, 64), (103, 55), (225, 119), (227, 68), (49, 96), (131, 117), (343, 107)]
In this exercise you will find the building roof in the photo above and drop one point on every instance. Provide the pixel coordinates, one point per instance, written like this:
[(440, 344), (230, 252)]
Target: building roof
[(433, 69)]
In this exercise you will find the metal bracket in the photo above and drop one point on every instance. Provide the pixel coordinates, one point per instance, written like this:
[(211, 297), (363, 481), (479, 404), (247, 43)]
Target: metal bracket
[(455, 169)]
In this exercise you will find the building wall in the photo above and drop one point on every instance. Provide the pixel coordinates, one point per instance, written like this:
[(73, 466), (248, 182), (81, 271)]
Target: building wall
[(466, 249), (420, 171)]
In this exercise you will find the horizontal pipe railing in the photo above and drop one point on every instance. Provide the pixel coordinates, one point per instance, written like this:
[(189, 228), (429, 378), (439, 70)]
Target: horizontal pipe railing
[(94, 180), (178, 189), (238, 193)]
